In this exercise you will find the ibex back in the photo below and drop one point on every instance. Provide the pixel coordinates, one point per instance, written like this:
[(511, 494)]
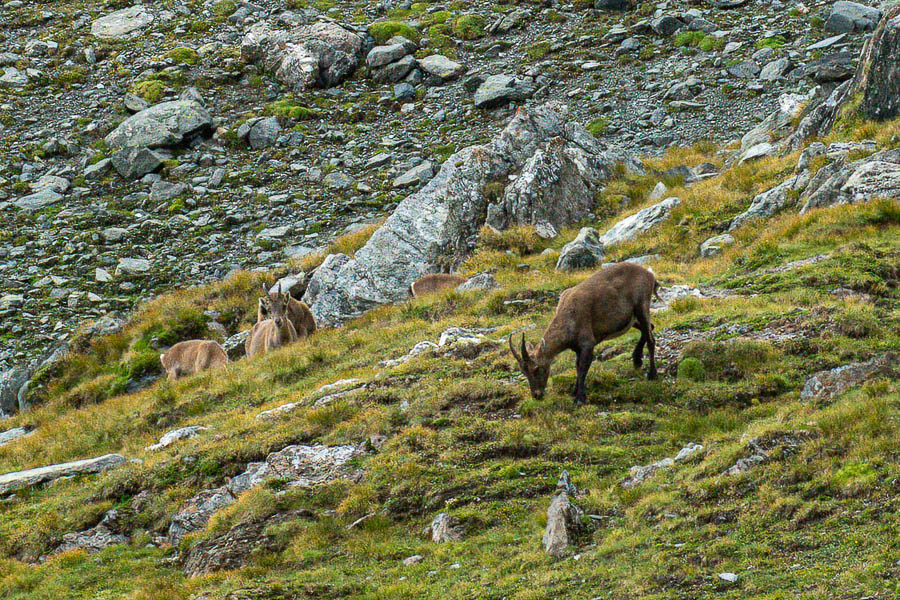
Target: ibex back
[(192, 357)]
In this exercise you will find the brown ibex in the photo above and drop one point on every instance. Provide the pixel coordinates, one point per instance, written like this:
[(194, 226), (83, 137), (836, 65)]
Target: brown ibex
[(433, 283), (273, 332), (602, 307), (297, 312), (191, 357)]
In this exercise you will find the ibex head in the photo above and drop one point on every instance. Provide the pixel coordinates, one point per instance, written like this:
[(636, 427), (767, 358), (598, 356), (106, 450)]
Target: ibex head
[(536, 370), (274, 306)]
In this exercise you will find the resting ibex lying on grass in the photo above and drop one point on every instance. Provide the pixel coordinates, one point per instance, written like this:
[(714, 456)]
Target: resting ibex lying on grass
[(434, 282), (602, 307), (273, 332), (298, 312), (191, 357)]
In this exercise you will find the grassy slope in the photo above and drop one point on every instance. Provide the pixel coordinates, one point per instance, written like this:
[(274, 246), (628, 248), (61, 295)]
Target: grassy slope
[(817, 520)]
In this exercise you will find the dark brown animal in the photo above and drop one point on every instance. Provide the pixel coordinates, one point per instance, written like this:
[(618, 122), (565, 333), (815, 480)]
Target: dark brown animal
[(297, 312), (272, 333), (192, 357), (433, 283), (602, 307)]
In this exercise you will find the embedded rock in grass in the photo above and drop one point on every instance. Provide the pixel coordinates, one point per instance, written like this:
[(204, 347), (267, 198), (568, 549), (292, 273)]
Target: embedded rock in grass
[(438, 225), (125, 23), (297, 466), (481, 281), (323, 54), (643, 220), (164, 124), (777, 125), (10, 482), (640, 473), (584, 252), (233, 549), (826, 385), (175, 435), (11, 435), (38, 200), (714, 245), (563, 519), (441, 67), (768, 203), (446, 528), (95, 539)]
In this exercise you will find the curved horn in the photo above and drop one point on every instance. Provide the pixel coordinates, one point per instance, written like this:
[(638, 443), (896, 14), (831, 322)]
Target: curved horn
[(513, 350), (526, 358)]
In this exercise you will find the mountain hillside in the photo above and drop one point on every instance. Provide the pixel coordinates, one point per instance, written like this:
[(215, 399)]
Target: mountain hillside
[(163, 161)]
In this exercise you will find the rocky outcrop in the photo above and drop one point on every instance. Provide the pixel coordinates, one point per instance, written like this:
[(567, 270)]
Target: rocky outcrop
[(876, 176), (122, 24), (10, 482), (437, 226), (826, 385), (881, 97), (446, 528), (298, 466), (323, 54), (232, 549), (771, 201), (104, 535), (164, 124)]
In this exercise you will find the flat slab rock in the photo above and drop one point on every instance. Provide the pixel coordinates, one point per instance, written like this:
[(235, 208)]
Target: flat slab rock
[(11, 435), (125, 23), (10, 482), (826, 385), (164, 124), (299, 466)]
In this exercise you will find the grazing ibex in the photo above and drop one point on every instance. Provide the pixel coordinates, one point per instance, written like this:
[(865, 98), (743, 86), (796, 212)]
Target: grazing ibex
[(434, 282), (602, 307), (298, 312), (191, 357), (273, 332)]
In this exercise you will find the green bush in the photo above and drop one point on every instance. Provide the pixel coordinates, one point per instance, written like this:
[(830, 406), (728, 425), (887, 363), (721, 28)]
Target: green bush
[(692, 369), (598, 126), (150, 90), (183, 56), (469, 27), (382, 31), (773, 42)]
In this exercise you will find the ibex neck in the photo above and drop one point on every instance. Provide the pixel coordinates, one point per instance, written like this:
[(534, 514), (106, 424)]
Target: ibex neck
[(549, 347)]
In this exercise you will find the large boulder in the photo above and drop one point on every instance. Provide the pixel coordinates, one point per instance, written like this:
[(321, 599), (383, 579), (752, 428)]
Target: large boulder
[(876, 176), (630, 227), (323, 54), (584, 252), (881, 98), (847, 17), (437, 226), (11, 381), (499, 90), (122, 24), (164, 124), (826, 385)]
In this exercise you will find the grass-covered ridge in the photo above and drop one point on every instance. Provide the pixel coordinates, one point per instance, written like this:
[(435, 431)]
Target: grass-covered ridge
[(817, 519)]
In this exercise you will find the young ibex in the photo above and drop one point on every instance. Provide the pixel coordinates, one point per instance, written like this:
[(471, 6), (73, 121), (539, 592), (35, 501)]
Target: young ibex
[(275, 331), (191, 357), (433, 283), (602, 307), (297, 312)]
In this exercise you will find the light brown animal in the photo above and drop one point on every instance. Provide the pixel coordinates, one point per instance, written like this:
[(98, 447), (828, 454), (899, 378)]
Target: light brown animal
[(602, 307), (297, 312), (192, 357), (433, 283), (274, 332)]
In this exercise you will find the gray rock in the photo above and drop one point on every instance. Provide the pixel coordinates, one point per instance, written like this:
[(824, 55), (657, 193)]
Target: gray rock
[(380, 56), (11, 381), (881, 93), (135, 104), (323, 54), (834, 67), (563, 520), (38, 200), (404, 92), (133, 266), (584, 252), (826, 385), (13, 78), (338, 180), (442, 67), (164, 124), (747, 69), (395, 71), (98, 170), (847, 17), (445, 528), (416, 176), (776, 69), (165, 191), (665, 25), (438, 225), (499, 90), (768, 203), (126, 23), (176, 435), (713, 245), (775, 126), (16, 433), (643, 220), (263, 133), (618, 5), (10, 482), (234, 345), (876, 176), (481, 281), (96, 538), (134, 163), (111, 235)]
